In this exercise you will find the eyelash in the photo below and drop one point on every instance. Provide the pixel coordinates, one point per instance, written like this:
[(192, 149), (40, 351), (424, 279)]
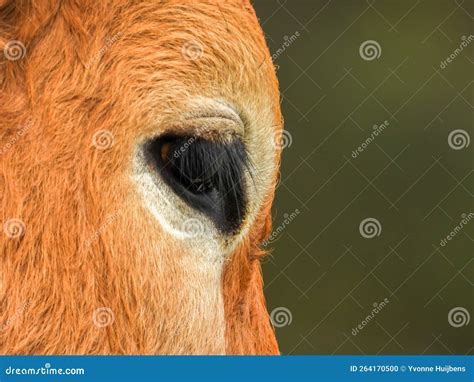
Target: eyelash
[(208, 175)]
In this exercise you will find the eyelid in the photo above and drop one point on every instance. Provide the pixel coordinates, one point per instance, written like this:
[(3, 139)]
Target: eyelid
[(211, 119)]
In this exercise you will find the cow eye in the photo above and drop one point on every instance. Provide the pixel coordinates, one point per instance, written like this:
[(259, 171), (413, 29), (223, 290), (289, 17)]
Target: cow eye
[(208, 175)]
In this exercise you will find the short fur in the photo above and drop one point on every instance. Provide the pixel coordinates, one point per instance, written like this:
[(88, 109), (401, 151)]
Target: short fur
[(89, 243)]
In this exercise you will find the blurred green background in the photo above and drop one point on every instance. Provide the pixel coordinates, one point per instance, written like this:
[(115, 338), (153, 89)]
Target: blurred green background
[(413, 179)]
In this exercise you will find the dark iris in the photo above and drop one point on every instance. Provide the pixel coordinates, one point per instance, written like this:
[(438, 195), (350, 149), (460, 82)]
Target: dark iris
[(208, 175)]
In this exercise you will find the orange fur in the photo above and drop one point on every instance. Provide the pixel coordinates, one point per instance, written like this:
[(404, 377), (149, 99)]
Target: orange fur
[(89, 242)]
